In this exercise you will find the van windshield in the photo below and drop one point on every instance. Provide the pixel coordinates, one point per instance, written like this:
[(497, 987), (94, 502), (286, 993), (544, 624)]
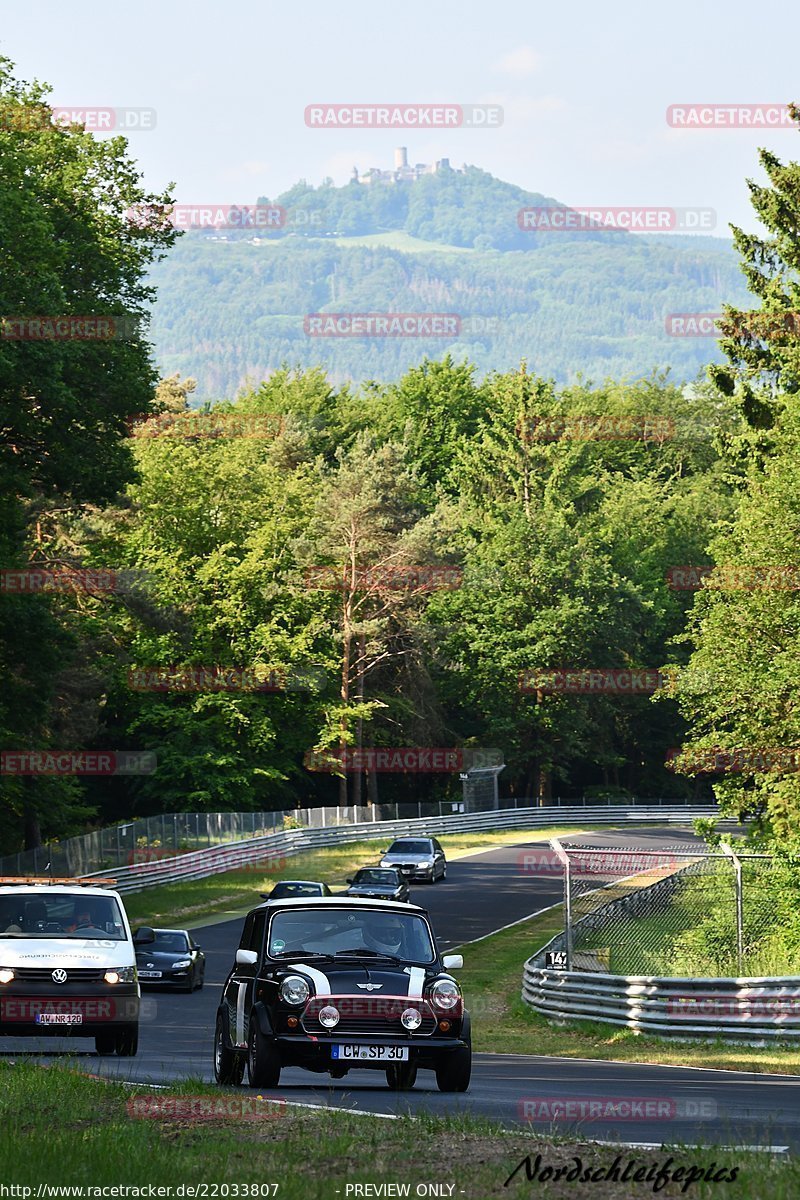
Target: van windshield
[(47, 914)]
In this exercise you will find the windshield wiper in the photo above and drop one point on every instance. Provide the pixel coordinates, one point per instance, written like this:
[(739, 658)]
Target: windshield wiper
[(302, 954), (369, 954)]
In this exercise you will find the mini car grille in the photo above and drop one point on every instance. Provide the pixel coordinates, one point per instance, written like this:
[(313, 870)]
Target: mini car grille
[(367, 1015), (45, 974)]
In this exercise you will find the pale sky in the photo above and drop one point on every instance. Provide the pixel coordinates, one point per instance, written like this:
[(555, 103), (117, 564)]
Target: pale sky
[(584, 87)]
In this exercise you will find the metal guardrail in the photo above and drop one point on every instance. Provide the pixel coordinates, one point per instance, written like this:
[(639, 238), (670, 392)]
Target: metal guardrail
[(739, 1009), (199, 864)]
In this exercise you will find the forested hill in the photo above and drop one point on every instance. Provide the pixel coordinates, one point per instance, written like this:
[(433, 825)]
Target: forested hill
[(233, 307)]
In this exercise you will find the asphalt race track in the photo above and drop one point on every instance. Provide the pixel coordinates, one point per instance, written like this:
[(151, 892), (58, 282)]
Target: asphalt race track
[(482, 893)]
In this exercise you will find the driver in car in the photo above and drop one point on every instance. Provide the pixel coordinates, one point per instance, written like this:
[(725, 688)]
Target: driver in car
[(382, 932)]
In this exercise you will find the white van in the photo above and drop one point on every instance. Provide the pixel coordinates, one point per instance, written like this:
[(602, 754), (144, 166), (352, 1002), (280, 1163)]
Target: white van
[(67, 963)]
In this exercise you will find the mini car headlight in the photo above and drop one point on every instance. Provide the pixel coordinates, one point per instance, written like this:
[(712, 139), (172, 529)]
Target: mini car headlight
[(445, 994), (329, 1016), (6, 975), (411, 1019), (121, 975), (184, 962), (294, 990)]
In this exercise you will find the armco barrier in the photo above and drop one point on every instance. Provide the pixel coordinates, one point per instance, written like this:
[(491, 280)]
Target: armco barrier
[(738, 1009), (199, 864)]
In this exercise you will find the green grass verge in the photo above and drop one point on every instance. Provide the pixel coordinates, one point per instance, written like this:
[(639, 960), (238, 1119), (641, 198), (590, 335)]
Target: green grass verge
[(62, 1128), (235, 891), (504, 1024)]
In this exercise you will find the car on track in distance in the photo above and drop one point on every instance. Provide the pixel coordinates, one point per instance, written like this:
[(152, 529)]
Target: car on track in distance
[(335, 984), (418, 858), (291, 889), (67, 963), (378, 883), (171, 958)]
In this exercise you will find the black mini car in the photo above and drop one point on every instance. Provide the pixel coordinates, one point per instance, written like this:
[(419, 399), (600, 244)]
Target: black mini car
[(378, 883), (336, 983)]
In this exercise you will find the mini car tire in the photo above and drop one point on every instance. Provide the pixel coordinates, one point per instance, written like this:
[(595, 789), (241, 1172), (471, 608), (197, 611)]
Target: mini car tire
[(105, 1044), (127, 1041), (401, 1077), (263, 1060), (453, 1070), (228, 1065)]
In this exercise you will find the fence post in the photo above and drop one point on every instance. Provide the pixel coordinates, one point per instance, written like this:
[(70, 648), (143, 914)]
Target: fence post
[(737, 866), (564, 859)]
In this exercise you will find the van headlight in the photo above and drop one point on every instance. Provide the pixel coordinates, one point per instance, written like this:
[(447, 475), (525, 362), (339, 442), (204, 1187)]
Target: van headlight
[(121, 975), (6, 974), (294, 990)]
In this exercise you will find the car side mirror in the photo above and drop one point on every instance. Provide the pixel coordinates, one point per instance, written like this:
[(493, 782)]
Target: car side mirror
[(196, 947), (349, 880), (144, 936), (246, 958), (452, 962)]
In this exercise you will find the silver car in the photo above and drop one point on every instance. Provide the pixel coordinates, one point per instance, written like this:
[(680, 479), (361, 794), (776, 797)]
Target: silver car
[(420, 858)]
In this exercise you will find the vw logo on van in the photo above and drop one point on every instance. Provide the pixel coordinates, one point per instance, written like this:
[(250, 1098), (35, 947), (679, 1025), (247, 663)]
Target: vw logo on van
[(59, 975)]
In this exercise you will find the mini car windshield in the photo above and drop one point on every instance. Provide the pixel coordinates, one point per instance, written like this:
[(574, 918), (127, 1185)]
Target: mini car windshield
[(47, 914), (376, 875), (410, 847), (335, 931)]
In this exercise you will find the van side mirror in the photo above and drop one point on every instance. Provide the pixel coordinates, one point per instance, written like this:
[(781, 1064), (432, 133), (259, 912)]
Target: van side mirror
[(144, 936), (452, 962)]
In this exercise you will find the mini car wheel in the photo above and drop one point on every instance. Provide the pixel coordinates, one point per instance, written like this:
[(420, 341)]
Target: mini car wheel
[(401, 1077), (454, 1069), (228, 1065), (127, 1041), (263, 1060), (105, 1044)]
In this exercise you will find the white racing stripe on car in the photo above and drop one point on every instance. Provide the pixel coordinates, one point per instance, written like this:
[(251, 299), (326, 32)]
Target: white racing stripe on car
[(322, 985), (241, 1040), (416, 982)]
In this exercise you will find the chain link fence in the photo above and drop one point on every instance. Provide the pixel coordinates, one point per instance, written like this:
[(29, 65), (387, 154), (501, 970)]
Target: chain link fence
[(671, 911)]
